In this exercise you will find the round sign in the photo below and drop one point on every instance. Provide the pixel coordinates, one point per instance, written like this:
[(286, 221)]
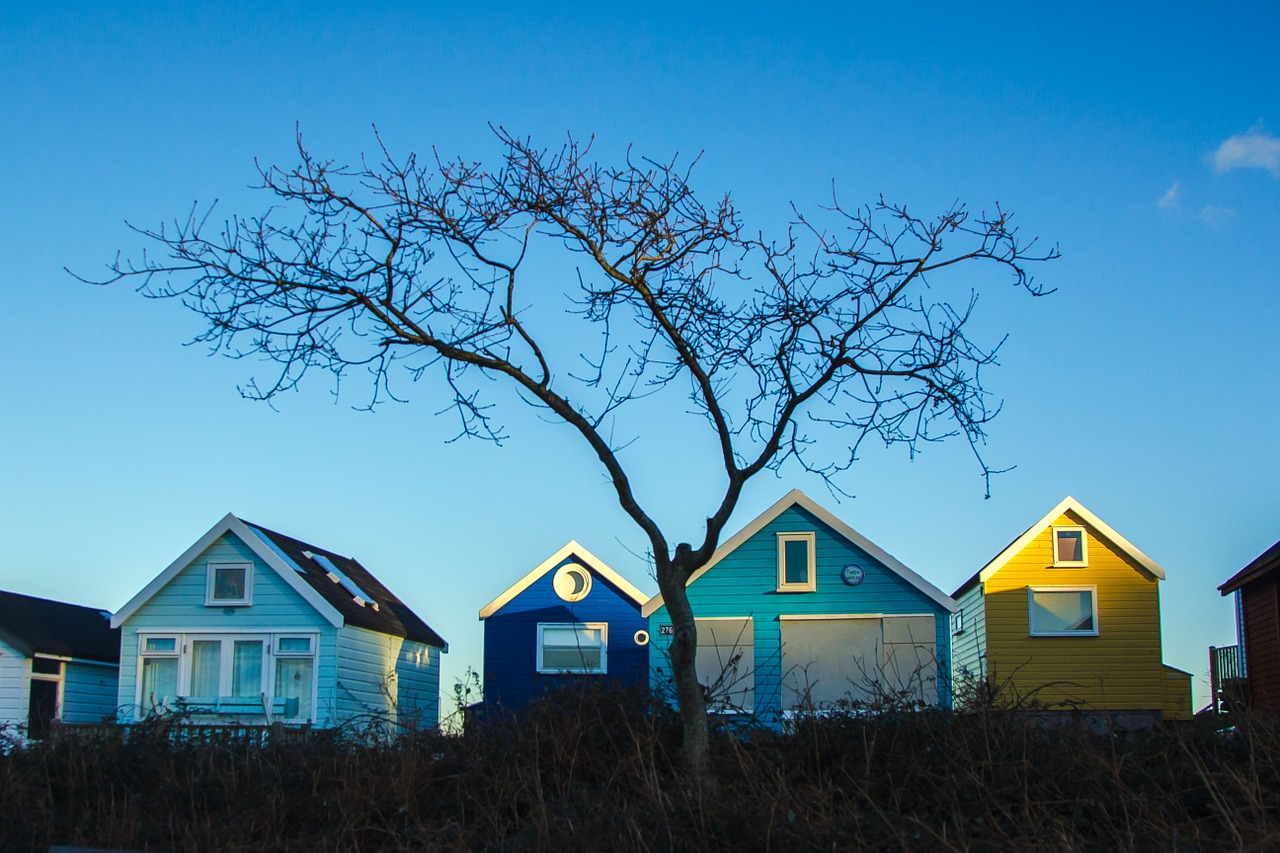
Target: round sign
[(852, 575), (572, 582)]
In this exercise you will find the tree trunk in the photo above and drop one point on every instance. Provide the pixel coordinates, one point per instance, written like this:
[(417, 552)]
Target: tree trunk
[(690, 699)]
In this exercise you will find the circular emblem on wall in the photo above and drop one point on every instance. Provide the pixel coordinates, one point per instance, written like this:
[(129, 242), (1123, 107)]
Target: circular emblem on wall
[(572, 582), (852, 575), (642, 637)]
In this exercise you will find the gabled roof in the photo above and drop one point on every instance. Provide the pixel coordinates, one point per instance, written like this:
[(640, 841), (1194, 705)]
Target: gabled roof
[(389, 616), (1266, 562), (573, 549), (294, 562), (1068, 504), (795, 497), (40, 626)]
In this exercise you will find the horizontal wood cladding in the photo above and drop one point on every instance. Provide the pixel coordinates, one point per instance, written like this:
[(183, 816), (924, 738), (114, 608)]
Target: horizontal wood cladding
[(511, 679), (181, 603), (14, 680), (1119, 669), (88, 692), (745, 583), (1262, 641)]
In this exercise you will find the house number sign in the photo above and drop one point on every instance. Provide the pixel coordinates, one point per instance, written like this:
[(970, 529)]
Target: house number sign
[(666, 630)]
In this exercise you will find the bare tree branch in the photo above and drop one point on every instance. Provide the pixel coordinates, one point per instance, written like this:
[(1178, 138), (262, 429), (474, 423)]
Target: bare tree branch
[(854, 326)]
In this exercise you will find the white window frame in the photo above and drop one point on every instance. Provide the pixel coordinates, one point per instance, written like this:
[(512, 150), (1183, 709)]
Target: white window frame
[(1084, 546), (226, 661), (810, 538), (1031, 610), (957, 623), (144, 653), (184, 654), (211, 575), (602, 627)]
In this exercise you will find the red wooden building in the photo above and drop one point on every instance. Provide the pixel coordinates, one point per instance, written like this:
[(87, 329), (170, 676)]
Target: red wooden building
[(1258, 612)]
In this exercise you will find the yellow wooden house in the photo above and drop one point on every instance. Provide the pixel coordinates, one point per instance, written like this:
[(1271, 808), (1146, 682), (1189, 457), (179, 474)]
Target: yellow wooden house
[(1068, 616)]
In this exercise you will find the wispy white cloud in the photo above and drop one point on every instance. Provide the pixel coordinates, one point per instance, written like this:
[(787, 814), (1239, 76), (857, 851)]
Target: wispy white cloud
[(1169, 200), (1255, 149), (1215, 216)]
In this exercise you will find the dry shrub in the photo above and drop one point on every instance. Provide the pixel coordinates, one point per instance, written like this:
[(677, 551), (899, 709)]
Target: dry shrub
[(604, 768)]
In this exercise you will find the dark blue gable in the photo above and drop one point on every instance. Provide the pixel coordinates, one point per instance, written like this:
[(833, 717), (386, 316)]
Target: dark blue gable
[(511, 677)]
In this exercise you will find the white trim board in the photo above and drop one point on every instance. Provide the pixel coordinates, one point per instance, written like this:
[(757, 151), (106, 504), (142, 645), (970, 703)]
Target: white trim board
[(572, 549), (250, 537), (795, 497), (1069, 503)]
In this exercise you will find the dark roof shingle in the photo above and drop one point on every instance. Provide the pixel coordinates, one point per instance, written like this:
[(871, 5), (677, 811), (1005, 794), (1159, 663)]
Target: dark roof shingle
[(392, 615), (1264, 563), (41, 626)]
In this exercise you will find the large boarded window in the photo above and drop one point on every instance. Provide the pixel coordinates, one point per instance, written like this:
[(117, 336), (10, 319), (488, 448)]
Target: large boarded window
[(862, 659), (911, 658), (726, 662)]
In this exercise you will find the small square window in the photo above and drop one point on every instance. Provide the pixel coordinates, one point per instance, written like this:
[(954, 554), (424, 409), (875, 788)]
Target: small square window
[(229, 584), (1069, 546), (957, 622), (797, 570), (1063, 611)]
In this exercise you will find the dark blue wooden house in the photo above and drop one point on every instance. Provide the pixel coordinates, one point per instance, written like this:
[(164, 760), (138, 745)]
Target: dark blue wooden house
[(569, 621)]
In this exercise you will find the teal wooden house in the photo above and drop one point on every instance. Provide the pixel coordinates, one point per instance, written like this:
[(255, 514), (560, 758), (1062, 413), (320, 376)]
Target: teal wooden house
[(250, 626), (799, 611), (58, 663), (572, 620)]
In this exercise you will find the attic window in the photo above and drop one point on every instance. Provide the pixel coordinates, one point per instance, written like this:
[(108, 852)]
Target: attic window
[(338, 576), (229, 585), (797, 570), (1070, 547)]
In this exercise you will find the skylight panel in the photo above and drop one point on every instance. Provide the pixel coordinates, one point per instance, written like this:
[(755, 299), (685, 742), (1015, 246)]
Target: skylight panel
[(337, 576)]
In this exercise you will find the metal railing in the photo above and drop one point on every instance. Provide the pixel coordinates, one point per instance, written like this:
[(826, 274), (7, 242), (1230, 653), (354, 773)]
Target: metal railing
[(1227, 674)]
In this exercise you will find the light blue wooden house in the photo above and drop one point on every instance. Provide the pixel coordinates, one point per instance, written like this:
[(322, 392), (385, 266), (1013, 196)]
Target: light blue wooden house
[(58, 662), (251, 626), (799, 611), (572, 620)]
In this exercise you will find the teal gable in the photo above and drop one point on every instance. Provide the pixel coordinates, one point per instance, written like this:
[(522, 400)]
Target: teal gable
[(798, 610), (251, 626)]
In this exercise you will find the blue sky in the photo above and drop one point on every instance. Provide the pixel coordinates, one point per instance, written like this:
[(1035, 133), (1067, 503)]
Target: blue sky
[(1143, 141)]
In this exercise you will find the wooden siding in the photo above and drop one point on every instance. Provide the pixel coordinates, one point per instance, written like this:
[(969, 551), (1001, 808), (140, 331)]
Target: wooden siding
[(511, 678), (179, 607), (387, 677), (969, 645), (418, 679), (745, 583), (88, 692), (1262, 642), (1119, 669), (15, 672), (1177, 694)]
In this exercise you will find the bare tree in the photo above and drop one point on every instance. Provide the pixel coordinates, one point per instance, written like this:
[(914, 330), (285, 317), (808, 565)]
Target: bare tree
[(844, 329)]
